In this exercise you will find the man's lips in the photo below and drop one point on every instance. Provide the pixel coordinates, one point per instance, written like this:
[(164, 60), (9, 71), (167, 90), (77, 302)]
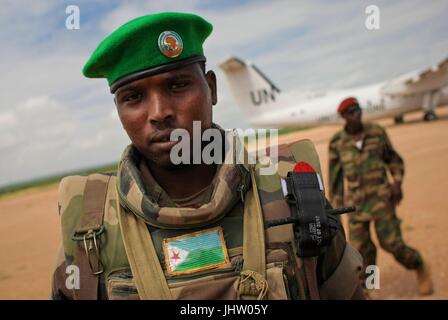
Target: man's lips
[(164, 146), (161, 141), (160, 136)]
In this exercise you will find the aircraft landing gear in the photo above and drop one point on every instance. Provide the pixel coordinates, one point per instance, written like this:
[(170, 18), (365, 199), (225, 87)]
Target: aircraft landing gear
[(430, 102), (398, 119), (430, 116)]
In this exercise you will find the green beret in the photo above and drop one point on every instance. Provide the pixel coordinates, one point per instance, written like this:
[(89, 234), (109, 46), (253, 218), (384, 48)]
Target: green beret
[(148, 45)]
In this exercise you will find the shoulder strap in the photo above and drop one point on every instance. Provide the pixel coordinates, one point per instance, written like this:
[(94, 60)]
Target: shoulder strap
[(142, 256), (87, 234), (253, 277)]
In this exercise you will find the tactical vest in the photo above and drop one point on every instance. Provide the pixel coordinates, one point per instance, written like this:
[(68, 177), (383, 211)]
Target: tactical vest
[(117, 251)]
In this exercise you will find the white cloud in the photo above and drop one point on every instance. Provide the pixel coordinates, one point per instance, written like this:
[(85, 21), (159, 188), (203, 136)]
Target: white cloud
[(130, 10), (47, 139), (6, 140), (7, 120)]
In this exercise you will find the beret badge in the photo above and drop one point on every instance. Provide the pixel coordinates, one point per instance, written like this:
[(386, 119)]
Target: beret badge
[(170, 44)]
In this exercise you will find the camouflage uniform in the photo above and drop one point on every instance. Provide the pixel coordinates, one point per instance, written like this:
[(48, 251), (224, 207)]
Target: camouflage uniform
[(142, 199), (367, 187)]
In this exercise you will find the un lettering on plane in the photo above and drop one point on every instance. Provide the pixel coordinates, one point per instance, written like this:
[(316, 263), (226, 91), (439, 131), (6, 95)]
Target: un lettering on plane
[(262, 96)]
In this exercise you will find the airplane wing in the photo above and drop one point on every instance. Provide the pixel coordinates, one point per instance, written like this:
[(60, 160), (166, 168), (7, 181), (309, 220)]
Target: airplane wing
[(429, 80), (431, 73)]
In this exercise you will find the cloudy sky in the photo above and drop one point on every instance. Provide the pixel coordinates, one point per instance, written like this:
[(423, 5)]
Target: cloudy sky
[(52, 119)]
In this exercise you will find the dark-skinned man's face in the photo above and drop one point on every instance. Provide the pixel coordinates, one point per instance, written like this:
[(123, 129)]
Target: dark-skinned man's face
[(151, 108), (352, 116)]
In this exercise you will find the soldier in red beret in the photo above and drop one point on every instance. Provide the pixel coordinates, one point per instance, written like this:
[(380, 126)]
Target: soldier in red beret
[(360, 155)]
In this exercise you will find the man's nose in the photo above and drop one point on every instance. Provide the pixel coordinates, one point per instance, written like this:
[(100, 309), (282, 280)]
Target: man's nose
[(160, 109)]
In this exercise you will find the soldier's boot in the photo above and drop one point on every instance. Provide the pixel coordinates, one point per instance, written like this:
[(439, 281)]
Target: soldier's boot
[(425, 286)]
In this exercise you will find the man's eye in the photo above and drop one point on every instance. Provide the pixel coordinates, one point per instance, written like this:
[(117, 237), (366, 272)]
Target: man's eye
[(132, 97), (179, 85)]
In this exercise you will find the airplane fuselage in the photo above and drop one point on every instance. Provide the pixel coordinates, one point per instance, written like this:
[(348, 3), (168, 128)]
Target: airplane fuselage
[(323, 109), (266, 106)]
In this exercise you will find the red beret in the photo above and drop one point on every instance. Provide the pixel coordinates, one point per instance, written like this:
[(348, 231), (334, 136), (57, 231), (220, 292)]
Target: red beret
[(348, 102)]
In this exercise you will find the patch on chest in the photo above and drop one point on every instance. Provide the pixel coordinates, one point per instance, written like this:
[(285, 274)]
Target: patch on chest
[(195, 251)]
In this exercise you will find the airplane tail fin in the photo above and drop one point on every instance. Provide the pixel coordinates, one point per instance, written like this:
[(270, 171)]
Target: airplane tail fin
[(252, 90)]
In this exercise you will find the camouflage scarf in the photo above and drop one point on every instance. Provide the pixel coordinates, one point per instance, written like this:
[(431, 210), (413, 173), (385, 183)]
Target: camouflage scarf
[(229, 184)]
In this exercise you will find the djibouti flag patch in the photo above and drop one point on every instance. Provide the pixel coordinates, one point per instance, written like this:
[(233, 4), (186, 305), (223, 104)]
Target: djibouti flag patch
[(195, 251)]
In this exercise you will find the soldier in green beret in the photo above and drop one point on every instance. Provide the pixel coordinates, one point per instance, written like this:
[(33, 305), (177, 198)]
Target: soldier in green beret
[(360, 154), (160, 230)]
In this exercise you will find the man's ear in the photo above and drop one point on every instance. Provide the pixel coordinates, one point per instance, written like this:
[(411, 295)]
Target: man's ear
[(211, 81)]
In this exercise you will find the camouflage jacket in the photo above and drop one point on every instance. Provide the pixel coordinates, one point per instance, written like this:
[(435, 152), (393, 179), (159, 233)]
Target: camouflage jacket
[(364, 169), (336, 268)]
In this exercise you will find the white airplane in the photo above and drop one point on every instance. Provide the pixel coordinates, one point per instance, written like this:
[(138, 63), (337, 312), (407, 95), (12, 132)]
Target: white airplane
[(266, 106)]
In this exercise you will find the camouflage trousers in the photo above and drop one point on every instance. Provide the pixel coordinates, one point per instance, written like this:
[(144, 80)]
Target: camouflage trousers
[(388, 231)]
